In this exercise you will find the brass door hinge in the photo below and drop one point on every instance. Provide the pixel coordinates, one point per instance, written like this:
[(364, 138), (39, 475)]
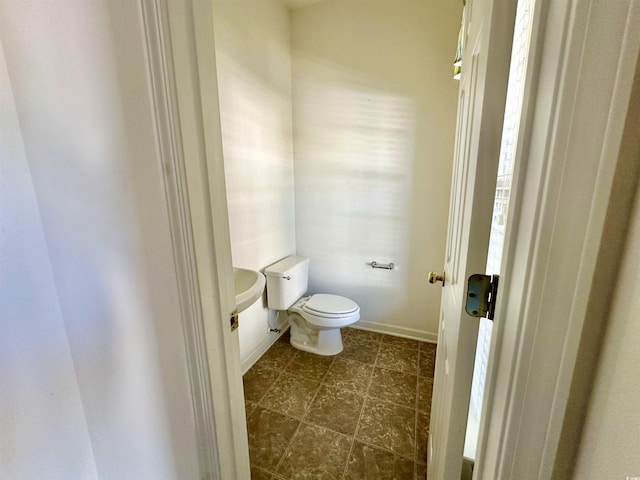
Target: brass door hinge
[(235, 320), (482, 293)]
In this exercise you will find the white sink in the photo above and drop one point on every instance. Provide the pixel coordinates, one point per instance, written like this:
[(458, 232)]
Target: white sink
[(249, 285)]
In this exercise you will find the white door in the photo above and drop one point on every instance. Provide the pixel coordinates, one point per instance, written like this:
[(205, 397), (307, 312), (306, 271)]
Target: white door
[(481, 100)]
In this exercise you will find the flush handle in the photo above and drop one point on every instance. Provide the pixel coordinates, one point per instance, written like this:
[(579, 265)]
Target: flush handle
[(437, 277)]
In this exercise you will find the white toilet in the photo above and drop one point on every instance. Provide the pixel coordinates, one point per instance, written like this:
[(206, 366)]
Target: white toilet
[(315, 320)]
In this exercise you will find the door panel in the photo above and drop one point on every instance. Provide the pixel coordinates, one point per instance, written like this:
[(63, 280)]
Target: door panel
[(509, 140), (485, 67)]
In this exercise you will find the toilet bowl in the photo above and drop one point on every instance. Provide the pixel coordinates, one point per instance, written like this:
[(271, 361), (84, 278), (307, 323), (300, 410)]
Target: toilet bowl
[(315, 320)]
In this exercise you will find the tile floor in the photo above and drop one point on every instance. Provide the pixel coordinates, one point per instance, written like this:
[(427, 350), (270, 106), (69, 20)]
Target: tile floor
[(359, 415)]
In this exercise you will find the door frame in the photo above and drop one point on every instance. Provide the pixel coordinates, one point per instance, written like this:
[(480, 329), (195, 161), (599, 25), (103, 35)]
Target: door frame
[(181, 58), (569, 217), (529, 413)]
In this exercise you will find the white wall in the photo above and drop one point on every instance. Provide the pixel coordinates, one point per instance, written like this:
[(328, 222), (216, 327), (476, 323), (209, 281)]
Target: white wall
[(254, 81), (610, 437), (93, 375), (374, 119), (44, 430)]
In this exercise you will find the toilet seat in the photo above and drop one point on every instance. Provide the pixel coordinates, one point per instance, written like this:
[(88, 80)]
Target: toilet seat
[(326, 305), (344, 310)]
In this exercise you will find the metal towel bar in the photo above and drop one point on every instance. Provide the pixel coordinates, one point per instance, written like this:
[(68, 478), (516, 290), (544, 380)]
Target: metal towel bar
[(384, 266)]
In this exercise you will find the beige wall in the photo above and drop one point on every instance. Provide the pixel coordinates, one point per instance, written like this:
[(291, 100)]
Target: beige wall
[(610, 443), (254, 78), (374, 117), (93, 370), (609, 446)]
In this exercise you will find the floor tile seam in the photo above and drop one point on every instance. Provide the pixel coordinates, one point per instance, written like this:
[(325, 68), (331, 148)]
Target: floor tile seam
[(423, 343), (357, 392), (284, 366), (313, 399), (324, 380), (413, 457), (426, 376), (399, 371), (354, 359), (304, 377), (291, 372), (267, 470), (290, 361), (380, 335), (404, 373), (405, 349), (415, 414), (309, 423), (417, 350), (306, 420), (280, 412), (333, 360), (273, 410), (253, 466), (379, 341), (299, 375), (293, 357), (286, 449), (271, 384), (385, 449), (388, 401), (373, 370), (355, 433)]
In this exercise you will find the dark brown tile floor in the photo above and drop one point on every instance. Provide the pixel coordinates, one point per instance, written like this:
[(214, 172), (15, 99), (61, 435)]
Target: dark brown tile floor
[(359, 415)]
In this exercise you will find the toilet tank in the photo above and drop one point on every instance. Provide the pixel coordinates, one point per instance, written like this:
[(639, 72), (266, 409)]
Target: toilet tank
[(287, 281)]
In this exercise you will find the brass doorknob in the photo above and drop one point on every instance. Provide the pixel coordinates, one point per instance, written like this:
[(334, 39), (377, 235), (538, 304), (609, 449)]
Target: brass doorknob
[(436, 277)]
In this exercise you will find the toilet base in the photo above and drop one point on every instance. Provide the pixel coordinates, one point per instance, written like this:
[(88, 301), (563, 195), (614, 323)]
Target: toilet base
[(321, 342)]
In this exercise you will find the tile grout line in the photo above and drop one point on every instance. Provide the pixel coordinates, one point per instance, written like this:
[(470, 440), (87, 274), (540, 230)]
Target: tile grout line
[(312, 424), (302, 419), (287, 370), (281, 371), (364, 400)]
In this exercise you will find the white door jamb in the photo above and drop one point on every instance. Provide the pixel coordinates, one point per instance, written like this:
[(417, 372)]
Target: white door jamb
[(182, 75), (585, 56)]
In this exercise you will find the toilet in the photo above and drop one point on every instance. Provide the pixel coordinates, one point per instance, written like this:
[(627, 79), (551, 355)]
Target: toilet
[(315, 320)]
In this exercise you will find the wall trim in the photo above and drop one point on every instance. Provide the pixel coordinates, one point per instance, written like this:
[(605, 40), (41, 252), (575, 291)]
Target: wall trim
[(181, 57), (170, 150), (396, 331), (266, 344)]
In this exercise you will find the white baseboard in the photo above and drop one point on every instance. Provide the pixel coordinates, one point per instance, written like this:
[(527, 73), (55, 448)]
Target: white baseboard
[(273, 337), (404, 332), (394, 330)]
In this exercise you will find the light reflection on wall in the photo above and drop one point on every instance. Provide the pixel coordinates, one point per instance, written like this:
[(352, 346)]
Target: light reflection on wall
[(374, 109), (354, 150), (366, 120), (253, 58), (256, 130)]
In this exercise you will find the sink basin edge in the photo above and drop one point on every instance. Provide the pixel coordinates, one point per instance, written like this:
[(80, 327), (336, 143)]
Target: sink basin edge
[(249, 286)]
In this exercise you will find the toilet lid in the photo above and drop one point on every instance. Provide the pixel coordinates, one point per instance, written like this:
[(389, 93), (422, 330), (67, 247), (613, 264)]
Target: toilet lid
[(325, 303)]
